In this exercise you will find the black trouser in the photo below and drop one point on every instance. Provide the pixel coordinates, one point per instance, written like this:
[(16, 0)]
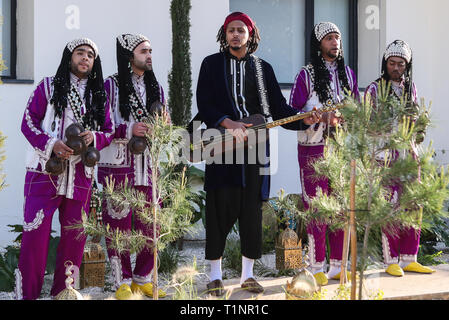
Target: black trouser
[(225, 205)]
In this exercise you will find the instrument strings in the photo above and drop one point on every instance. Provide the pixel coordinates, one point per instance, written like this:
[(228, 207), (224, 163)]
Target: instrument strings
[(228, 136)]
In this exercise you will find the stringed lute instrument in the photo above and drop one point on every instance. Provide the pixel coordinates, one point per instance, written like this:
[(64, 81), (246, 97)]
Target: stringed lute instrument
[(228, 142)]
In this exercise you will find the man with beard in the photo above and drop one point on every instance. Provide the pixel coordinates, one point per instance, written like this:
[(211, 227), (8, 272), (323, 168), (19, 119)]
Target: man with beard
[(131, 91), (74, 95), (397, 72), (400, 244), (230, 87), (321, 84)]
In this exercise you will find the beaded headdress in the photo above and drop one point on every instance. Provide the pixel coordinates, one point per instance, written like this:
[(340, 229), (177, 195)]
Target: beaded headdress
[(94, 95), (131, 41), (324, 28), (125, 46), (82, 41), (399, 48)]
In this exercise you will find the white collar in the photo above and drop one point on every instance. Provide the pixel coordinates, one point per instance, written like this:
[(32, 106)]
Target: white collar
[(77, 81), (397, 83), (137, 78), (331, 65)]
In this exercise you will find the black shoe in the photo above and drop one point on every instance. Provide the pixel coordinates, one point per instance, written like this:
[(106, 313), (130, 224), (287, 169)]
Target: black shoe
[(252, 285), (215, 288)]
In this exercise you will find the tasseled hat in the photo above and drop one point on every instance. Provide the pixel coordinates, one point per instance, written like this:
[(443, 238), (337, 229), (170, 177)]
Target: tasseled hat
[(82, 41), (125, 45), (95, 95), (320, 79), (324, 28), (399, 48), (131, 41)]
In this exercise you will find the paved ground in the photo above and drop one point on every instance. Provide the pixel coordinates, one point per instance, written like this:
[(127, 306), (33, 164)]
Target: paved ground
[(412, 286)]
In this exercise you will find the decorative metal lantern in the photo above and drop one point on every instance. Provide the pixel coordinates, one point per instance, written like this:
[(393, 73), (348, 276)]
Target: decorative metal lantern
[(92, 270), (288, 250)]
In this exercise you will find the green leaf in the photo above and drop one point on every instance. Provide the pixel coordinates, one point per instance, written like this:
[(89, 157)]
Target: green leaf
[(51, 257)]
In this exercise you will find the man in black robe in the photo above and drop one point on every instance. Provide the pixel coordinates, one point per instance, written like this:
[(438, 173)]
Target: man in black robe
[(234, 84)]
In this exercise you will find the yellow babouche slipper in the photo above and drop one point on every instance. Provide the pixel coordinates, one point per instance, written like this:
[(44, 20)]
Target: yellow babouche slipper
[(417, 267), (337, 276), (123, 292), (321, 278), (146, 289), (395, 270)]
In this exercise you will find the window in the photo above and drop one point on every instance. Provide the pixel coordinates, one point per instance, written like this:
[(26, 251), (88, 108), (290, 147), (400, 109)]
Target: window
[(344, 14), (281, 26), (8, 37), (286, 25)]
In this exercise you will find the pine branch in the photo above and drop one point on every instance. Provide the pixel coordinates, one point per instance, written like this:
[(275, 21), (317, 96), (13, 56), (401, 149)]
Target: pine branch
[(391, 129)]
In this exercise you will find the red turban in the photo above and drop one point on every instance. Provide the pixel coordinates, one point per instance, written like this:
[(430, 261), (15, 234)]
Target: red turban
[(242, 17)]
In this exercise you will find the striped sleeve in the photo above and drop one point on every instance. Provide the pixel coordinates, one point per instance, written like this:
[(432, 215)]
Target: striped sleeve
[(300, 91), (32, 119)]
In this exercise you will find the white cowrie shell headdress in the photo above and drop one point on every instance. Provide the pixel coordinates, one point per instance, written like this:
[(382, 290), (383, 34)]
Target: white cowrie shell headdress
[(82, 41), (399, 48), (324, 28), (131, 41)]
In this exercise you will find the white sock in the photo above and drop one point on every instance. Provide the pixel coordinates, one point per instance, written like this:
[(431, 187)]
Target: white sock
[(333, 270), (247, 269), (215, 270), (316, 270), (403, 264)]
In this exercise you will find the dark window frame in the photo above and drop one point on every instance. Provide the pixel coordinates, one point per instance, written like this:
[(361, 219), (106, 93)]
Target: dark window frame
[(353, 35), (13, 48), (12, 78)]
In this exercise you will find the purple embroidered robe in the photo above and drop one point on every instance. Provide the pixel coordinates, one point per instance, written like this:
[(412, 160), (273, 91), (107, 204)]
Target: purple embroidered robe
[(120, 164), (116, 160), (311, 142), (397, 87), (38, 129), (44, 193)]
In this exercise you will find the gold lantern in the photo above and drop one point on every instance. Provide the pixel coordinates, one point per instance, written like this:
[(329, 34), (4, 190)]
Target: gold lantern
[(288, 250), (92, 270)]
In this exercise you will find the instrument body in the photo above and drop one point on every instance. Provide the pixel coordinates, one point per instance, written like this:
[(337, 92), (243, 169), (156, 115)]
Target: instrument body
[(89, 155), (208, 147), (137, 145)]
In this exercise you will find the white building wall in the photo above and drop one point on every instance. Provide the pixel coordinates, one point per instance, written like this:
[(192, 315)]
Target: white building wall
[(423, 25)]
